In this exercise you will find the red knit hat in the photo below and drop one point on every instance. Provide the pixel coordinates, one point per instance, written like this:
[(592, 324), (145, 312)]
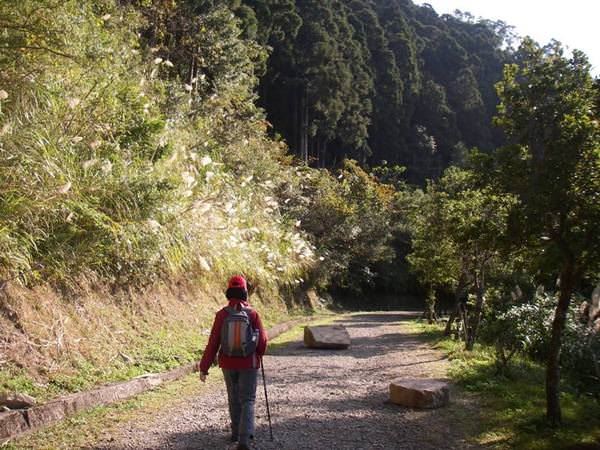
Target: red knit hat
[(237, 281)]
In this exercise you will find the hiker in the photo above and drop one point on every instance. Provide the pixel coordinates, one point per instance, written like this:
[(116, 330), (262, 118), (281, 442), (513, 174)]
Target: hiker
[(240, 339)]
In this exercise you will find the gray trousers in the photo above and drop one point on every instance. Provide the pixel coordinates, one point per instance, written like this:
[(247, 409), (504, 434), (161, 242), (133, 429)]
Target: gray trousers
[(241, 393)]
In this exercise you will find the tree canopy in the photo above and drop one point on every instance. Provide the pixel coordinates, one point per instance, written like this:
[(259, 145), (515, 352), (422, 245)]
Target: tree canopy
[(549, 112), (379, 81)]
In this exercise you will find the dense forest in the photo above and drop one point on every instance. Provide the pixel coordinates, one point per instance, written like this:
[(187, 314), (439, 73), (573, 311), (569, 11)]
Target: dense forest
[(379, 81), (365, 148)]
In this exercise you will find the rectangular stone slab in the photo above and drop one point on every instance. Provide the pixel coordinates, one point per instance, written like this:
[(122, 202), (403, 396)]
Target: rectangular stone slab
[(11, 423), (15, 400), (326, 337), (45, 414), (419, 392)]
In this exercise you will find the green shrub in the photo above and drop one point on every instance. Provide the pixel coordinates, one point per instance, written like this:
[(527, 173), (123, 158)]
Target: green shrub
[(525, 328), (347, 218)]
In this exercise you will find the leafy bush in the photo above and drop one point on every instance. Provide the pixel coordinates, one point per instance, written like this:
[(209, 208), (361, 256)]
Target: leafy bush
[(525, 328), (347, 218)]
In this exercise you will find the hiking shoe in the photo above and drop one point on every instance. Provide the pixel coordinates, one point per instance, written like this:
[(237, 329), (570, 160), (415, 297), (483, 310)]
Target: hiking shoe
[(242, 447), (234, 438)]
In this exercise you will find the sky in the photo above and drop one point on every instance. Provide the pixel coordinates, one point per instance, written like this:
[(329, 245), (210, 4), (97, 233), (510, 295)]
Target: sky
[(575, 23)]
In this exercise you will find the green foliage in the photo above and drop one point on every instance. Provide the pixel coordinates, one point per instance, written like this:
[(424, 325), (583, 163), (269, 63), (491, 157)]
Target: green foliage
[(531, 207), (525, 328), (115, 164), (456, 226), (510, 402), (347, 218), (374, 80), (548, 109), (71, 186), (436, 261)]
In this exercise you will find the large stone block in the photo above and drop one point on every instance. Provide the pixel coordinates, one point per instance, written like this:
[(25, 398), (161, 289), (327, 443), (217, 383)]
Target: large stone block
[(326, 336), (419, 393), (15, 400), (39, 416), (12, 423)]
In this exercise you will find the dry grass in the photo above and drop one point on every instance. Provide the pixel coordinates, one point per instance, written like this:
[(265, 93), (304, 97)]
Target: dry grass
[(56, 343)]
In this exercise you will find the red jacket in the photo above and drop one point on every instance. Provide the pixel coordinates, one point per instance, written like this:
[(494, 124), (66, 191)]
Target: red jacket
[(214, 342)]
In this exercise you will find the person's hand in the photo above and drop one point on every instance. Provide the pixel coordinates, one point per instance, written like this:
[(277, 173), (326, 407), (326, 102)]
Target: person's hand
[(203, 377)]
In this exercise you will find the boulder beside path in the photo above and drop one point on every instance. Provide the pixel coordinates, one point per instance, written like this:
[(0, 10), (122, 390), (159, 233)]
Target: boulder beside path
[(419, 393), (326, 337)]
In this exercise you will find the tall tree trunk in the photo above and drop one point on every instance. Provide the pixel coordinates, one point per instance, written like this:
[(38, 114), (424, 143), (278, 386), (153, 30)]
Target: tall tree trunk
[(192, 70), (568, 279), (296, 126), (319, 155), (323, 153), (429, 312), (303, 125), (458, 293), (451, 319), (475, 319)]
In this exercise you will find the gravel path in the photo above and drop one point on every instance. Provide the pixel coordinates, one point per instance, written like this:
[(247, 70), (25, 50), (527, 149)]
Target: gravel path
[(322, 400)]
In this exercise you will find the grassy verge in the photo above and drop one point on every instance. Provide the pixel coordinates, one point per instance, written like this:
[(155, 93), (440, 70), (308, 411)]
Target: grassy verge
[(154, 344), (513, 402), (165, 350), (87, 428)]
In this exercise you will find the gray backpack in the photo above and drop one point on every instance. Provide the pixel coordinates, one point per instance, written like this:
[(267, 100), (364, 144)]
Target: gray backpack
[(238, 338)]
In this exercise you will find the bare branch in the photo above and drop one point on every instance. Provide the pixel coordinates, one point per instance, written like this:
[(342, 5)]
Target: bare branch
[(39, 48)]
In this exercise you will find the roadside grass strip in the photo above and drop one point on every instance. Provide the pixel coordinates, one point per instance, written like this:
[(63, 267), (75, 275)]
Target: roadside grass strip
[(86, 428), (512, 402)]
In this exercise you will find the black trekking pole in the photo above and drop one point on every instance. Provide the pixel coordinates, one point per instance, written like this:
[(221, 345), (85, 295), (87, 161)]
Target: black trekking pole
[(262, 366)]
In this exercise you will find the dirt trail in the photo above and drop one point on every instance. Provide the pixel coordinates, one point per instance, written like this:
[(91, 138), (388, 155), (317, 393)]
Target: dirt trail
[(322, 400)]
